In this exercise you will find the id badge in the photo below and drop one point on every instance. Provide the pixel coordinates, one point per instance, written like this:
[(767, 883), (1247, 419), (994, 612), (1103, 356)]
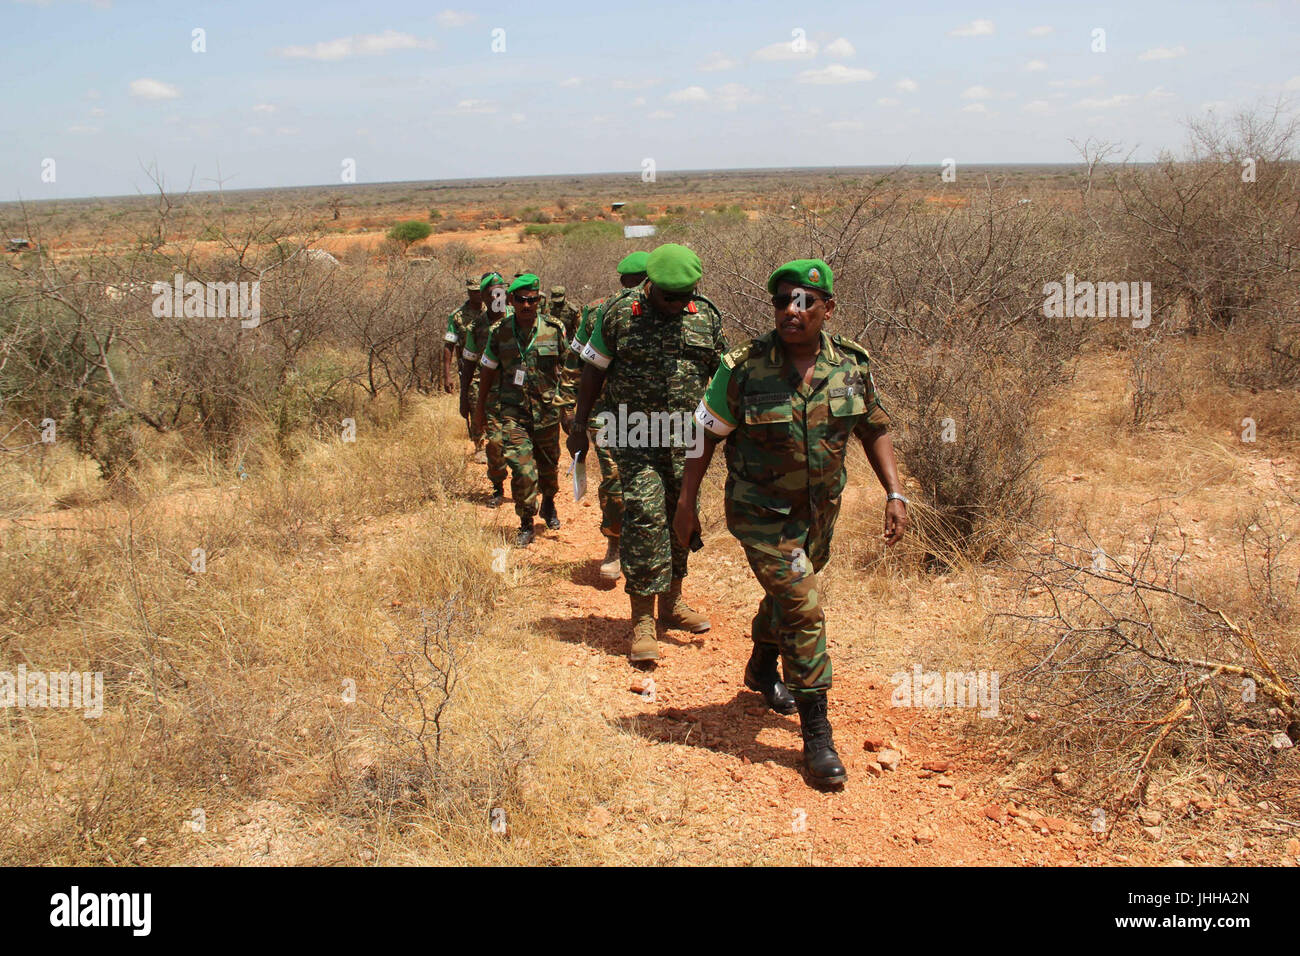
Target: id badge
[(519, 376)]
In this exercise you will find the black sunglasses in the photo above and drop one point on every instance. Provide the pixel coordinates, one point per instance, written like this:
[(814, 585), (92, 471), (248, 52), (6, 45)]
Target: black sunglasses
[(802, 300), (528, 299)]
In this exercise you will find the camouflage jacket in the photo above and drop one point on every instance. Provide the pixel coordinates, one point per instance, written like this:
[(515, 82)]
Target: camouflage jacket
[(786, 441), (528, 373), (573, 359), (652, 362), (566, 315), (476, 336), (457, 323)]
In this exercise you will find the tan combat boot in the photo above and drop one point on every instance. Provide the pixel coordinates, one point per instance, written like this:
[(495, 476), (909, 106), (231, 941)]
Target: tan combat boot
[(677, 614), (645, 640), (610, 568)]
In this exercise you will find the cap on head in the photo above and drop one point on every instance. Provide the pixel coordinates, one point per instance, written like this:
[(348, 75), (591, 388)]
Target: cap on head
[(807, 273), (673, 268), (472, 284), (557, 292), (490, 279), (632, 263), (525, 280)]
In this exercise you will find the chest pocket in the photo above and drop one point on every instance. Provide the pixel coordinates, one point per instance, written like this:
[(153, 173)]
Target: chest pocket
[(768, 408), (848, 401)]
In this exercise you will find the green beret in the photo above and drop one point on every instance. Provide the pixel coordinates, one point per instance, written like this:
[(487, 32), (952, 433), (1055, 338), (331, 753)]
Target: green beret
[(673, 268), (525, 280), (632, 263), (492, 278), (808, 273)]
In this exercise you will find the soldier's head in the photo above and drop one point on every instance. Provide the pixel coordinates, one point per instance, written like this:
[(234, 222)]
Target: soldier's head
[(802, 300), (526, 297), (631, 269), (672, 271), (558, 295), (474, 292), (493, 288)]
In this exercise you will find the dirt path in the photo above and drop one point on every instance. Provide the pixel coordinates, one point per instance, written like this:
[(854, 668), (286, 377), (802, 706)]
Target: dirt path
[(744, 761)]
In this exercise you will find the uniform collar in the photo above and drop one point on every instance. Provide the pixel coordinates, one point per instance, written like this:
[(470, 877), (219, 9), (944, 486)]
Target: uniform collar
[(776, 350)]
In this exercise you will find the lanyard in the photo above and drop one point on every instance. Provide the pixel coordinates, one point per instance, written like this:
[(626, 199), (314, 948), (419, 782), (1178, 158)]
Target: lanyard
[(524, 349)]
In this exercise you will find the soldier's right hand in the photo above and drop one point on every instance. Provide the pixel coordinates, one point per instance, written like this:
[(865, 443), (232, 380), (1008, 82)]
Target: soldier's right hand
[(578, 442), (464, 405)]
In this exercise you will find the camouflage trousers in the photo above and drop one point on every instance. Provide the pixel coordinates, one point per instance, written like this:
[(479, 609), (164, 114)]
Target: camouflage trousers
[(610, 491), (533, 453), (651, 480), (496, 455), (790, 614)]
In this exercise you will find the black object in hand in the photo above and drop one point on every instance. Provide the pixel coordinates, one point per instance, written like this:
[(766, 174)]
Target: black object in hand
[(696, 541)]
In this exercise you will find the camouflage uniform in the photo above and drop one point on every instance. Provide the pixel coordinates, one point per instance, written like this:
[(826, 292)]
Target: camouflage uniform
[(565, 313), (785, 448), (610, 491), (477, 335), (458, 324), (529, 412), (653, 363)]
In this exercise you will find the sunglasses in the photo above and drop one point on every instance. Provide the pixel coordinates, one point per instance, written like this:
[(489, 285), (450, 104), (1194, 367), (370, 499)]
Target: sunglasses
[(802, 300), (528, 299), (676, 298)]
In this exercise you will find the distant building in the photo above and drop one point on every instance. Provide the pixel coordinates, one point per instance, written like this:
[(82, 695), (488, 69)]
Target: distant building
[(18, 245), (638, 232)]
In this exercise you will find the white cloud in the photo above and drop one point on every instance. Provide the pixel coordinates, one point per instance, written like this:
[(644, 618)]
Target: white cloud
[(572, 81), (1159, 93), (455, 18), (846, 124), (263, 108), (1094, 80), (691, 94), (96, 111), (1292, 84), (976, 93), (468, 107), (1163, 53), (785, 51), (1033, 66), (836, 73), (840, 49), (639, 101), (1093, 103), (906, 85), (887, 101), (81, 129), (731, 95), (363, 44), (1037, 106), (1039, 31), (147, 89), (717, 61), (976, 28), (661, 115), (974, 108), (640, 84)]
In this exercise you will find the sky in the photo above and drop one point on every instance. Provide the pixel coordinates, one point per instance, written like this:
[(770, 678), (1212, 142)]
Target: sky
[(287, 92)]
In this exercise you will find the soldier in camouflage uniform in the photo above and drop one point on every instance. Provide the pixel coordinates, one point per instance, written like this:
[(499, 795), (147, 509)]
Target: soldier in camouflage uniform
[(787, 404), (457, 324), (493, 288), (521, 367), (631, 273), (652, 350), (559, 308)]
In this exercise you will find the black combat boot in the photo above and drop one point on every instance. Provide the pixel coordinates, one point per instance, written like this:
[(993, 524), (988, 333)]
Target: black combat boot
[(498, 495), (761, 675), (819, 756), (548, 514), (525, 536)]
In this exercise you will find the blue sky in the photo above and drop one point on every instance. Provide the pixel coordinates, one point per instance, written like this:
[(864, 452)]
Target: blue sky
[(286, 91)]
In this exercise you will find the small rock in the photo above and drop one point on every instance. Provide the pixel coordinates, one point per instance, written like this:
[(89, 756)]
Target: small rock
[(874, 769), (946, 783), (55, 766), (925, 834), (1281, 741), (937, 766), (1293, 847), (1152, 833), (736, 775), (1149, 818), (1033, 716), (1064, 781), (140, 841), (873, 743), (889, 759), (1055, 824), (640, 685), (1232, 800), (366, 855), (995, 813)]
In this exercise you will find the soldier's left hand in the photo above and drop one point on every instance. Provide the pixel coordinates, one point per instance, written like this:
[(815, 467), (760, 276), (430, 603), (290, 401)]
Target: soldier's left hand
[(896, 521), (479, 423)]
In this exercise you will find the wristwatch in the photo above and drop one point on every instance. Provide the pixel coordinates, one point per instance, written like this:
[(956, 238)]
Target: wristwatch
[(895, 496)]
